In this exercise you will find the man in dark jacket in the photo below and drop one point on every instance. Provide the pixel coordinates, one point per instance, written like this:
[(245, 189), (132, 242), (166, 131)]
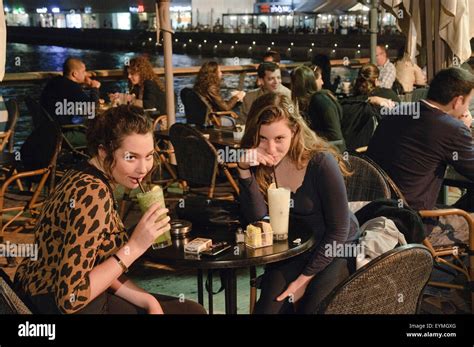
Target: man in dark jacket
[(67, 102), (415, 149)]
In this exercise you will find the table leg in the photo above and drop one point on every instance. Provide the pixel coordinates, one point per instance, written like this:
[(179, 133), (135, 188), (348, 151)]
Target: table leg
[(210, 290), (230, 291), (199, 285)]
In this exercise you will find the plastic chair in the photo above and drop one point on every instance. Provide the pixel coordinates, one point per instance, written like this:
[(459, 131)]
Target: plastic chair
[(392, 283)]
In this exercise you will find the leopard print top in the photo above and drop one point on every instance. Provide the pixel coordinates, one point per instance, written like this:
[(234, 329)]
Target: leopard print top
[(79, 228)]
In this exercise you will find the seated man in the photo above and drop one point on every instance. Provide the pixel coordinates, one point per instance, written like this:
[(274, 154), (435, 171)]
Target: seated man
[(270, 75), (67, 102), (387, 70), (414, 149)]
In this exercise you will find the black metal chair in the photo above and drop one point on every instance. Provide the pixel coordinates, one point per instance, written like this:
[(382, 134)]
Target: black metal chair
[(392, 283), (10, 303), (198, 111)]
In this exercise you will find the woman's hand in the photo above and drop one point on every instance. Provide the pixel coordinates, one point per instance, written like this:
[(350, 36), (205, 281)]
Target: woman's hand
[(296, 289), (383, 102), (147, 230)]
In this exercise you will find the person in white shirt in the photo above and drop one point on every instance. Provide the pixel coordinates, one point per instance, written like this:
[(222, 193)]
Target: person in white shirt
[(387, 70)]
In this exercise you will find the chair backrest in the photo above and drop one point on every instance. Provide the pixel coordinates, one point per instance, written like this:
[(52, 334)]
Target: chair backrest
[(10, 303), (195, 155), (367, 182), (11, 106), (195, 108), (36, 111), (390, 284), (42, 147)]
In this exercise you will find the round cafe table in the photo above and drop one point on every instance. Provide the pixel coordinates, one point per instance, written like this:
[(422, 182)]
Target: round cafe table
[(238, 256)]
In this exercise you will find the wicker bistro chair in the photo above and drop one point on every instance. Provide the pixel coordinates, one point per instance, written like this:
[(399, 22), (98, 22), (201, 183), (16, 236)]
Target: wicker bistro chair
[(39, 154), (367, 182), (6, 137), (10, 303), (392, 283), (198, 161), (379, 184), (198, 110)]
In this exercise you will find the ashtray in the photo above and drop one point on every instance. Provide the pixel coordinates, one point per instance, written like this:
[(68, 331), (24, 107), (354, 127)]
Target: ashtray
[(180, 228)]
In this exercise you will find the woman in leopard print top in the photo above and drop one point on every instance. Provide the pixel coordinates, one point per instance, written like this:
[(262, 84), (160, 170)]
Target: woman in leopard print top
[(83, 248)]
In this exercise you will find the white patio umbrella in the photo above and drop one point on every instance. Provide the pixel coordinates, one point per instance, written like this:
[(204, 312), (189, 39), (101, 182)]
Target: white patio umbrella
[(456, 26), (441, 30), (163, 24)]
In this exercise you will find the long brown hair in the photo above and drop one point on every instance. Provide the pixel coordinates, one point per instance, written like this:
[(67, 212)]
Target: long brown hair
[(365, 82), (142, 66), (303, 86), (272, 107), (207, 77)]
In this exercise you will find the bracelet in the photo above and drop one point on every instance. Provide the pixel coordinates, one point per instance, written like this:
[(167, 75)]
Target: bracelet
[(121, 263)]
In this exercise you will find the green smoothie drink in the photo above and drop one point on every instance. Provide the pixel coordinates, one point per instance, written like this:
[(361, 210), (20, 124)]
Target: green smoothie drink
[(145, 200)]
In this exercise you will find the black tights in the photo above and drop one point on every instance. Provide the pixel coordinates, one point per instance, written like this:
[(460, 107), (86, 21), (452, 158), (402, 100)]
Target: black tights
[(278, 276)]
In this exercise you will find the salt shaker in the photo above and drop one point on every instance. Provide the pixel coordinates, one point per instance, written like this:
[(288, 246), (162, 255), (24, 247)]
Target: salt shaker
[(239, 236)]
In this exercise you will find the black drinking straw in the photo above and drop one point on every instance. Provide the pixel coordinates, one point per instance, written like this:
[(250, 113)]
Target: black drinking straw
[(275, 176), (141, 187)]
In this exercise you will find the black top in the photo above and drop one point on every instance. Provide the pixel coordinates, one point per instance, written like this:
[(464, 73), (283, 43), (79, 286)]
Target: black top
[(361, 117), (320, 203), (415, 152), (325, 115), (153, 96), (61, 88)]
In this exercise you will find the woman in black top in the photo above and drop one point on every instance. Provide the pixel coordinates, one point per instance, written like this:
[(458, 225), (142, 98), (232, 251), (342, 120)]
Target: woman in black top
[(313, 171), (318, 106), (146, 86), (362, 111)]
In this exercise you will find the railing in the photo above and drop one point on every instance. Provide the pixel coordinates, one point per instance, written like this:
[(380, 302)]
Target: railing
[(118, 74)]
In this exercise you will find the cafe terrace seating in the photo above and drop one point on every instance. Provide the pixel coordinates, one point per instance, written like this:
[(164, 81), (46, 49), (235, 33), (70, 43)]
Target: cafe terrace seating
[(453, 252), (40, 115), (198, 110), (392, 283), (199, 163), (37, 164), (8, 109)]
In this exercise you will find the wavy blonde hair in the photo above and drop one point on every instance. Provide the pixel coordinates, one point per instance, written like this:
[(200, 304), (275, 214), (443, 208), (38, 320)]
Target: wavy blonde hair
[(272, 107)]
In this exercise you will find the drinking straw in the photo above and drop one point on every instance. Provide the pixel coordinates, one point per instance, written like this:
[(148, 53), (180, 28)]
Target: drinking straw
[(141, 187), (275, 176)]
